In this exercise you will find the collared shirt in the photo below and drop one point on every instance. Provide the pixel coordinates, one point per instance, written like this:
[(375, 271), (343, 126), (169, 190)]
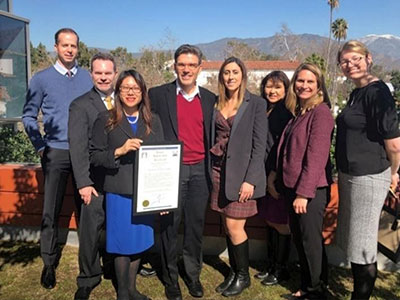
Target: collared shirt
[(64, 71), (104, 96), (188, 97)]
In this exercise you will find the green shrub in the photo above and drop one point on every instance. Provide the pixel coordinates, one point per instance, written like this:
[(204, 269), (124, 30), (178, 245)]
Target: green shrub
[(15, 146)]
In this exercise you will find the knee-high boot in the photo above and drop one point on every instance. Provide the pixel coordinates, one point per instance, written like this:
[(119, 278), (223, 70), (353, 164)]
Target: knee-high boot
[(228, 280), (282, 251), (271, 238), (242, 277), (364, 280)]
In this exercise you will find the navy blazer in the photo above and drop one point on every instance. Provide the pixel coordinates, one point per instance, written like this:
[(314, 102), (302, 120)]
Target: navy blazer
[(246, 147), (119, 172), (304, 158)]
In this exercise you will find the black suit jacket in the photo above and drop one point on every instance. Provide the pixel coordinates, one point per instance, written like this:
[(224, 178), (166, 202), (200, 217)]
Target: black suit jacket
[(246, 148), (163, 102), (83, 112), (119, 172)]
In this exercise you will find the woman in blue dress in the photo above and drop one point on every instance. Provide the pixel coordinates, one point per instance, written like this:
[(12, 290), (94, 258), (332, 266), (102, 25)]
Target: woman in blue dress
[(117, 134)]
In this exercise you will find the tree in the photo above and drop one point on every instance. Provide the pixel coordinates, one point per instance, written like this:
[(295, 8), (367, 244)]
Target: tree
[(40, 58), (332, 5), (395, 80), (287, 43), (243, 51), (123, 58), (85, 55), (317, 60), (339, 29), (154, 65)]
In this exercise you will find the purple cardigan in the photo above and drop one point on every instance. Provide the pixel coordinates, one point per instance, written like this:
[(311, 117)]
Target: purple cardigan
[(306, 140)]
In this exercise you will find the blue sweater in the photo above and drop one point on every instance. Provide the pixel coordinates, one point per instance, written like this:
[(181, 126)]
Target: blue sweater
[(52, 93)]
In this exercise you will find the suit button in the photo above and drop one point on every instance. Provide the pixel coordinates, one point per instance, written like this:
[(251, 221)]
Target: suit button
[(228, 157)]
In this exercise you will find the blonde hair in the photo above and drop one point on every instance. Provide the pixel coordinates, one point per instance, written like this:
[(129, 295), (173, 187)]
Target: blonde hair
[(292, 102), (223, 99), (354, 46)]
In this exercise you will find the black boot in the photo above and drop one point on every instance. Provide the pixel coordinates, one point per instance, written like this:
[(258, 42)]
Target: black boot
[(280, 273), (242, 277), (271, 236), (228, 280), (364, 280)]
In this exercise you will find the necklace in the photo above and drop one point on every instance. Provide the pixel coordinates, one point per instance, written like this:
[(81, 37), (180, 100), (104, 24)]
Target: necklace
[(132, 121)]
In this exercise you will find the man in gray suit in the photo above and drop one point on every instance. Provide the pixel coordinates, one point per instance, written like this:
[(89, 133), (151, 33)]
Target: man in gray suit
[(83, 112)]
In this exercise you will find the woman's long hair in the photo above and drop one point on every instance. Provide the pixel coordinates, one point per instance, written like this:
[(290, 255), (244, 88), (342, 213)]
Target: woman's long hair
[(292, 103), (222, 99), (117, 112), (275, 77)]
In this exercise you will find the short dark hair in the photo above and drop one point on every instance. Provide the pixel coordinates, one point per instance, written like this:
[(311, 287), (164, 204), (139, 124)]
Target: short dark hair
[(275, 76), (65, 30), (186, 49), (102, 56)]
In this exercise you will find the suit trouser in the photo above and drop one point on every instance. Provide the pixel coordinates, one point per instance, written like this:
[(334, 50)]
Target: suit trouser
[(56, 167), (307, 237), (91, 228), (193, 203)]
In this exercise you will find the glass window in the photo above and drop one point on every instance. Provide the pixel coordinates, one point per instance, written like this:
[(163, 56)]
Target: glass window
[(4, 5), (13, 67)]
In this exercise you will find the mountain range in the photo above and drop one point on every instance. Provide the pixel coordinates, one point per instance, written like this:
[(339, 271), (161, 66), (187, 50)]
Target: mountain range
[(385, 49)]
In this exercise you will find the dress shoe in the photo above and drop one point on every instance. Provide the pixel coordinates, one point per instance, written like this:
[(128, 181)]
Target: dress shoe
[(173, 292), (262, 275), (48, 278), (278, 275), (83, 293), (196, 289), (147, 272)]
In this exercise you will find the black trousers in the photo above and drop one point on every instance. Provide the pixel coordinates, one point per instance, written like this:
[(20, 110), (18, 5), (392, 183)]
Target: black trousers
[(307, 237), (56, 167), (91, 246), (193, 203)]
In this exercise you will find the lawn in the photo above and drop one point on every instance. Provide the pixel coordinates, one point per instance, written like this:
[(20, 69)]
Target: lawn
[(20, 267)]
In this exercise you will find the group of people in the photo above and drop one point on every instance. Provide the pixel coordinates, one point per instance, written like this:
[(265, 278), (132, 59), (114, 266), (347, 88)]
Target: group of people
[(243, 154)]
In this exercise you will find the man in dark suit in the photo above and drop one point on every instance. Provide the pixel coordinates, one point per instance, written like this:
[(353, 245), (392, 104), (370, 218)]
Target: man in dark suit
[(83, 112), (185, 110)]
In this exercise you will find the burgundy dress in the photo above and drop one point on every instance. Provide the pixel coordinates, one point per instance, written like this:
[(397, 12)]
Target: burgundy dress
[(219, 202)]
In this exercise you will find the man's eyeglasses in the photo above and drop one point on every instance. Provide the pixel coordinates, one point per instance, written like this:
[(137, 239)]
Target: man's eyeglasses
[(191, 67), (354, 61), (126, 89)]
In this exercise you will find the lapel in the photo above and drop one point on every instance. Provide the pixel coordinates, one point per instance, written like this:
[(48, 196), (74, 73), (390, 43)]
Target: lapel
[(96, 101), (171, 103), (240, 112), (127, 129), (298, 121)]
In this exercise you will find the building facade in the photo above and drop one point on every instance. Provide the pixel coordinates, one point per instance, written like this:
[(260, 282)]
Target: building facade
[(14, 62)]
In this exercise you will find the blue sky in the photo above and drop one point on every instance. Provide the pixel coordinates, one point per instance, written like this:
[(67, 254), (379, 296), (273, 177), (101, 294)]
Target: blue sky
[(135, 24)]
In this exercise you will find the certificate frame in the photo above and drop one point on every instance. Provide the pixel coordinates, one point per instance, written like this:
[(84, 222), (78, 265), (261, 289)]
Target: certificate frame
[(159, 163)]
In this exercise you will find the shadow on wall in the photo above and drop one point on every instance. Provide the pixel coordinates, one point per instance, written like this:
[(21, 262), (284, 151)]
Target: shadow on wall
[(21, 203)]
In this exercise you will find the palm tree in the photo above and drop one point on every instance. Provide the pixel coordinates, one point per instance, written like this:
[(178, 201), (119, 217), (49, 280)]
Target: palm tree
[(339, 29), (332, 5)]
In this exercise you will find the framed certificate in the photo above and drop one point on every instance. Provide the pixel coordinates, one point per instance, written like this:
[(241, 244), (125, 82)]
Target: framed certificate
[(157, 178)]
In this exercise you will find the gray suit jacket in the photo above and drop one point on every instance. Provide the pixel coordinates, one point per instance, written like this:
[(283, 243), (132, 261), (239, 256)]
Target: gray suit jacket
[(246, 148), (83, 112)]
